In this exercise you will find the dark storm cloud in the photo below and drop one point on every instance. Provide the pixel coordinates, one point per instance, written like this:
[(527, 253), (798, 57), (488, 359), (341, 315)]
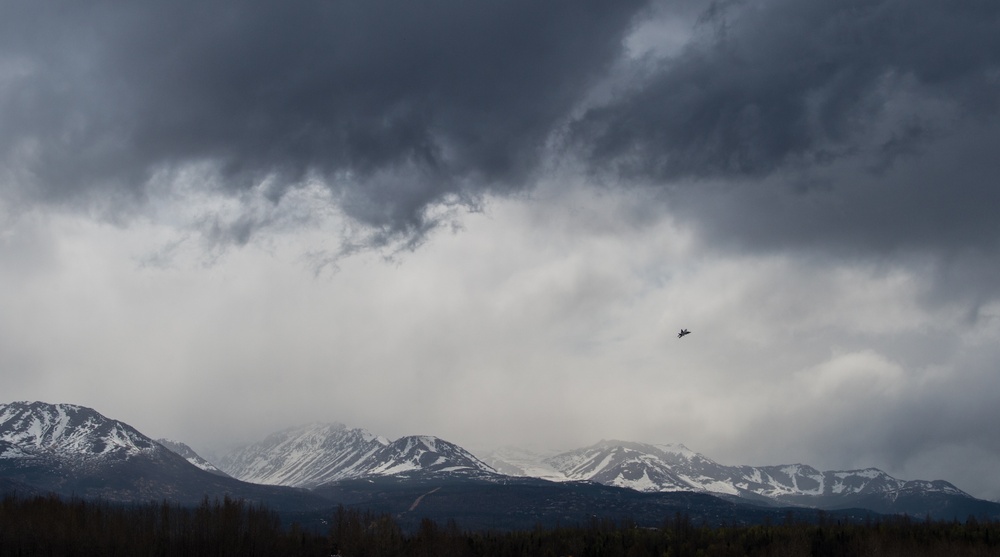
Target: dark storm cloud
[(860, 124), (869, 124), (393, 105)]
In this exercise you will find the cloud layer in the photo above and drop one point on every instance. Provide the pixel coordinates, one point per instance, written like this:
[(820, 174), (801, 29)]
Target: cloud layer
[(873, 120), (394, 106)]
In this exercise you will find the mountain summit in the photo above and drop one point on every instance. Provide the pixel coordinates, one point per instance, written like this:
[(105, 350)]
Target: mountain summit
[(69, 431), (318, 454), (425, 454), (307, 456)]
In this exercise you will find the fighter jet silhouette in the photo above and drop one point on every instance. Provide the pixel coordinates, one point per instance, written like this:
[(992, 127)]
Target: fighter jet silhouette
[(683, 332)]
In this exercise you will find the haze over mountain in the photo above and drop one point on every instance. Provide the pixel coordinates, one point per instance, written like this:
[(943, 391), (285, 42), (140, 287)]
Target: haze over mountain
[(659, 468), (319, 455)]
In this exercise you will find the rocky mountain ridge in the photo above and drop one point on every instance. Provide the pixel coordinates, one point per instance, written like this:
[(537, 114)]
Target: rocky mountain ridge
[(666, 468), (191, 456), (318, 454), (37, 429), (641, 467), (71, 449), (75, 451)]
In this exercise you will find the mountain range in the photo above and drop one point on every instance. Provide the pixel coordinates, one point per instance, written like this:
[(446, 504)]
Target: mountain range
[(668, 468), (318, 454), (73, 450)]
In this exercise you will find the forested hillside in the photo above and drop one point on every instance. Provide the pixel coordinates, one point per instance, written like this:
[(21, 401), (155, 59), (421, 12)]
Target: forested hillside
[(53, 526)]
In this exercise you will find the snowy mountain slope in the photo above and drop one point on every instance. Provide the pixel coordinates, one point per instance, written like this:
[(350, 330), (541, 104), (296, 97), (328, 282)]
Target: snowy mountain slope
[(798, 484), (642, 467), (664, 468), (318, 454), (305, 457), (191, 456), (425, 454), (73, 450), (68, 430)]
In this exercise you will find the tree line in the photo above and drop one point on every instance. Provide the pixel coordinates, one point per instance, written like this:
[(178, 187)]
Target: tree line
[(51, 525)]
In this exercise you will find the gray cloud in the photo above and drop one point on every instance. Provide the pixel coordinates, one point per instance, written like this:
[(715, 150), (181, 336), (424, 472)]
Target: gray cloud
[(863, 124), (395, 106)]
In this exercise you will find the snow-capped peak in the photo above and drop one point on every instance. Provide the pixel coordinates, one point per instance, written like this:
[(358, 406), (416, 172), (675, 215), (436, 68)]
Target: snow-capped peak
[(425, 453), (69, 429), (306, 456), (316, 454)]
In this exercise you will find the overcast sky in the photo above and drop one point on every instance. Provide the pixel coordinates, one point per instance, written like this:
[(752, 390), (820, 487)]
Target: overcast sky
[(487, 221)]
